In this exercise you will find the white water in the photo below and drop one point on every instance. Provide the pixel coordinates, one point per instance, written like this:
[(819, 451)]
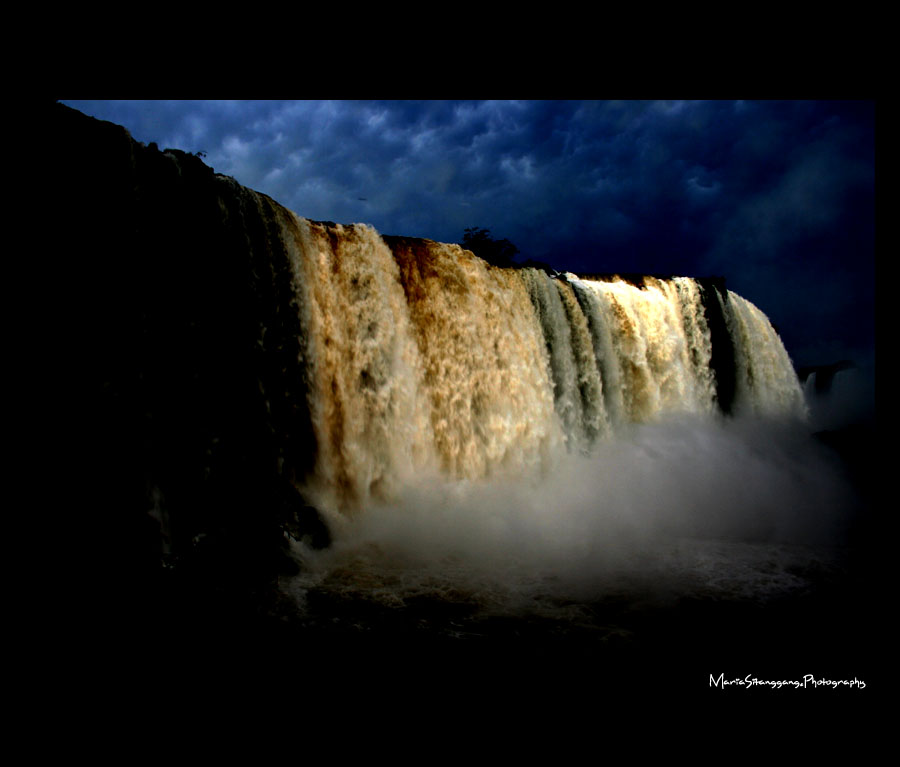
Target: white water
[(428, 360), (511, 435)]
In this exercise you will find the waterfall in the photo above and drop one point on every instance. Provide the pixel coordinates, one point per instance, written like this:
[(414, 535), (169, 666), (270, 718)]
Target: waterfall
[(392, 432), (511, 438), (422, 358), (767, 383)]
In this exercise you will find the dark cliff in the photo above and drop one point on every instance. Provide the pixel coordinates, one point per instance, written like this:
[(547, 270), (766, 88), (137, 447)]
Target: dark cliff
[(186, 415)]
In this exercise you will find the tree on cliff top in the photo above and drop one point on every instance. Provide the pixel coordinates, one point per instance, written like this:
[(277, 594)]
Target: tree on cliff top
[(496, 252)]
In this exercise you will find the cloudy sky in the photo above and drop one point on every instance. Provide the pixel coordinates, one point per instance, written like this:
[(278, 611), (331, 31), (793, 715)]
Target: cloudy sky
[(777, 196)]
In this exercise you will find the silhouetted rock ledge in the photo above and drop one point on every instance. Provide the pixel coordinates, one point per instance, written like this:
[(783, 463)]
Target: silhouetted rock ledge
[(171, 278)]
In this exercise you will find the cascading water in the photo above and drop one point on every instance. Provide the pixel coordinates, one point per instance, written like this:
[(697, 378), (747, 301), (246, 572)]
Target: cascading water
[(480, 442), (424, 358), (766, 379), (500, 427)]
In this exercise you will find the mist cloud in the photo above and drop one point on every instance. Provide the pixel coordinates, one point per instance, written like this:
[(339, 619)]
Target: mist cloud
[(688, 506)]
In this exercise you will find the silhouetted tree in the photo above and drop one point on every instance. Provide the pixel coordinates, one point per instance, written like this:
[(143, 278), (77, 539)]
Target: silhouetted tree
[(480, 242)]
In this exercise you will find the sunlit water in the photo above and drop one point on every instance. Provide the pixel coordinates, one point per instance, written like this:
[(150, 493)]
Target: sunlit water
[(517, 444)]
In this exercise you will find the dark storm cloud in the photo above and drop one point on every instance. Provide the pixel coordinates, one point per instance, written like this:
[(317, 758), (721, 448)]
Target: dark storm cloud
[(776, 196)]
